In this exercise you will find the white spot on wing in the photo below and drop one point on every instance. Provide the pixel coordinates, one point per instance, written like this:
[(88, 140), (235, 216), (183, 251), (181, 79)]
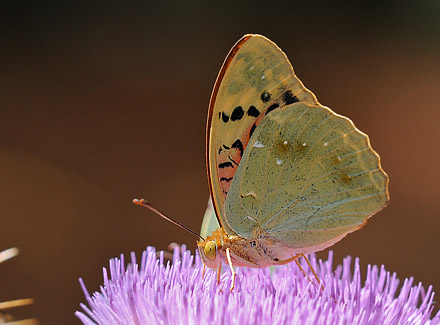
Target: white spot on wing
[(252, 218), (251, 194), (279, 161), (285, 142), (258, 144), (251, 68), (263, 77), (325, 144)]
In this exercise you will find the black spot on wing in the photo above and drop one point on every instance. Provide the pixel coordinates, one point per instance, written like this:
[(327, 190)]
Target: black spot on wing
[(289, 98), (226, 179), (225, 165), (225, 117), (237, 113), (252, 130), (219, 115), (220, 150), (253, 111), (265, 96), (226, 147), (238, 145), (229, 157), (272, 107)]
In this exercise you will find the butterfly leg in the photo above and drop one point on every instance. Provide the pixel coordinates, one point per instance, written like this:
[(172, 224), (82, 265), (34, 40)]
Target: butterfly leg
[(295, 258), (302, 270), (311, 268), (228, 256), (289, 259), (218, 273)]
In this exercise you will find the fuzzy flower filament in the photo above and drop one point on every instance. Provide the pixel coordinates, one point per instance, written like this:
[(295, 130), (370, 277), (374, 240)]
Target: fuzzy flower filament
[(154, 292)]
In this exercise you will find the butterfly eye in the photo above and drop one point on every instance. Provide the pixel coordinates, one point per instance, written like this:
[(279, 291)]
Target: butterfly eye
[(210, 250)]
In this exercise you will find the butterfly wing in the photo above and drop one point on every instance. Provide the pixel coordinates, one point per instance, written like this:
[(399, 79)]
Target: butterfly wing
[(210, 221), (307, 178), (255, 79)]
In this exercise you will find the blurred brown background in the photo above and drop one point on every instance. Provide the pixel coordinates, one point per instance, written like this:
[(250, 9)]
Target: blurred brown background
[(106, 101)]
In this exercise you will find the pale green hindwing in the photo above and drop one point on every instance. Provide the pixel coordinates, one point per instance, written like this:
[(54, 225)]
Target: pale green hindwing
[(210, 221), (307, 178)]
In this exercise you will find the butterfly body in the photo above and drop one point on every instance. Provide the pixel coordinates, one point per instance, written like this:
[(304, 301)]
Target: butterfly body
[(257, 252), (287, 175)]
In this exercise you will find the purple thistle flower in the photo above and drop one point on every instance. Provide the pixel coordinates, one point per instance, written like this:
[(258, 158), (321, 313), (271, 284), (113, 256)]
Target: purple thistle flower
[(151, 292)]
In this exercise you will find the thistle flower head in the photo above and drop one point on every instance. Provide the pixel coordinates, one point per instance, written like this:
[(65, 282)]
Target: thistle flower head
[(154, 292)]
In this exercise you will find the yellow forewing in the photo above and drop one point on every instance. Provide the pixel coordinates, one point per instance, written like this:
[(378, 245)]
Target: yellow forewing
[(256, 77), (307, 178)]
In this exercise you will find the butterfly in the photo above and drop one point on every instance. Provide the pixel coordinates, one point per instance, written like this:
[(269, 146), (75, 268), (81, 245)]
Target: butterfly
[(287, 175)]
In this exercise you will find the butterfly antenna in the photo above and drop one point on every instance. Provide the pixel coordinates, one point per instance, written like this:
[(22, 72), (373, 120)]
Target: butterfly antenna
[(163, 215)]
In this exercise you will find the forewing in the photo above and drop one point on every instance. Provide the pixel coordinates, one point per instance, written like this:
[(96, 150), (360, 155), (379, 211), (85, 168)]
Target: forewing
[(307, 178), (255, 79)]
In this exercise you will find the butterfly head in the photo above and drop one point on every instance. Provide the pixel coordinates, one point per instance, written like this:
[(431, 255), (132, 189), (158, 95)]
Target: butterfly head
[(209, 253)]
